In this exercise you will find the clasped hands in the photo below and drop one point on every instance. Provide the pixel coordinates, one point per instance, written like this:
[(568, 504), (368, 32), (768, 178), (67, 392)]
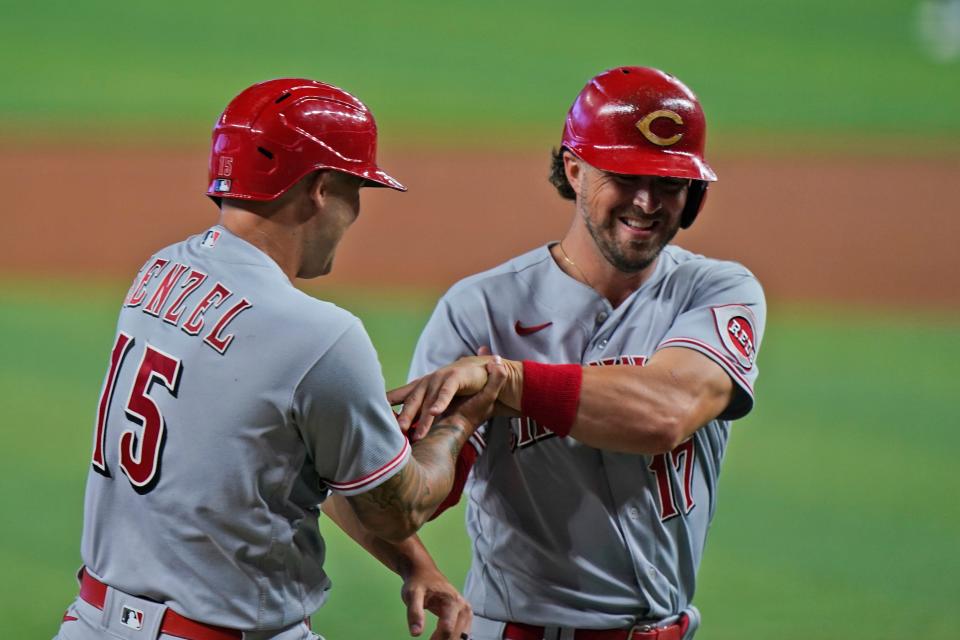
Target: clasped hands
[(473, 388)]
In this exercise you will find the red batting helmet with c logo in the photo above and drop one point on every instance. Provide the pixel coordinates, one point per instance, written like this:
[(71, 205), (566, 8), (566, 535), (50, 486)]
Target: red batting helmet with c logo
[(642, 121), (276, 132)]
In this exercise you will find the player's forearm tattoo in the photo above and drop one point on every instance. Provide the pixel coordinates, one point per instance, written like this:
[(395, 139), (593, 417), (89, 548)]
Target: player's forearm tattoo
[(399, 506)]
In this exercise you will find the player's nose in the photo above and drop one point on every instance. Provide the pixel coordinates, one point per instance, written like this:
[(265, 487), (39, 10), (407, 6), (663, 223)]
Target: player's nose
[(645, 198)]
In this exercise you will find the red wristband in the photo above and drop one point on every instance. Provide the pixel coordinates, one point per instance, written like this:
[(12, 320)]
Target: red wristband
[(551, 394)]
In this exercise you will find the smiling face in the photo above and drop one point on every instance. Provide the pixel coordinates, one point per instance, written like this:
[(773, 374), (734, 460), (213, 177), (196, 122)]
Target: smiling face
[(630, 218)]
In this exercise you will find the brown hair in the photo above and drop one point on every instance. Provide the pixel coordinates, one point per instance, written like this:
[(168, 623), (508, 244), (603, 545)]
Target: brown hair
[(558, 176)]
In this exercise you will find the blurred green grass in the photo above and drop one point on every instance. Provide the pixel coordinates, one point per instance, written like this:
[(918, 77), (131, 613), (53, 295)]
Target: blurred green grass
[(498, 73), (837, 517)]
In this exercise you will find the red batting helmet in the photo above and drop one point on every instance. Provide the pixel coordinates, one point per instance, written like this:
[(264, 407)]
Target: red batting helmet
[(276, 132), (642, 121)]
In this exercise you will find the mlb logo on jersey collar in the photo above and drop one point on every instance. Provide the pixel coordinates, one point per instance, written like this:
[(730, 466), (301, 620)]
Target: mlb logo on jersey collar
[(210, 238)]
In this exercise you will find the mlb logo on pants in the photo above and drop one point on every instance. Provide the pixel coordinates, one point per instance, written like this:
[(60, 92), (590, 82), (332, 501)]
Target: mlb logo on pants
[(133, 618)]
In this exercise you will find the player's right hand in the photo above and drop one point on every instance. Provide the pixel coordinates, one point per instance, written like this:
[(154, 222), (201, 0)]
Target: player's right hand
[(430, 395), (478, 408), (427, 588)]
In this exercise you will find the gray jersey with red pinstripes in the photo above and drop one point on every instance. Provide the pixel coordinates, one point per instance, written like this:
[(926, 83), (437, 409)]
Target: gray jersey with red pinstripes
[(233, 404), (565, 534)]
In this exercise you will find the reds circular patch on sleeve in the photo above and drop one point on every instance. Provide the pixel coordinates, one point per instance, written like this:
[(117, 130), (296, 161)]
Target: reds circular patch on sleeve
[(735, 326)]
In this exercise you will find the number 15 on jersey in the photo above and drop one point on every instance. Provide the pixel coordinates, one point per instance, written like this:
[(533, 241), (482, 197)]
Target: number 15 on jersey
[(139, 454)]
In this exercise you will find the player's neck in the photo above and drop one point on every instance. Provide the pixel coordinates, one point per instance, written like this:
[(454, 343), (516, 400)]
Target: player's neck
[(581, 259), (266, 234)]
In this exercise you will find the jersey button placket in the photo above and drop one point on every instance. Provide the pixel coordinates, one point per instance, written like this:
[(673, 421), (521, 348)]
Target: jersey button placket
[(603, 314)]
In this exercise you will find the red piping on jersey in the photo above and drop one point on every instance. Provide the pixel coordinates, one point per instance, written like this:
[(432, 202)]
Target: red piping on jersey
[(373, 475), (478, 443), (720, 358)]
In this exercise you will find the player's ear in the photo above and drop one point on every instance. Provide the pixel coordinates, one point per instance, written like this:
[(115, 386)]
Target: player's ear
[(573, 168), (317, 184)]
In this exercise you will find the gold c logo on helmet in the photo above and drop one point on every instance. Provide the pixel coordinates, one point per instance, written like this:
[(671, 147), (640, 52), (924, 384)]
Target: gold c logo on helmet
[(644, 126)]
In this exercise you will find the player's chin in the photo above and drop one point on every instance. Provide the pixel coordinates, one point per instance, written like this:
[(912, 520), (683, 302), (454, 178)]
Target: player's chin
[(645, 248), (630, 241), (317, 271), (638, 255), (633, 240)]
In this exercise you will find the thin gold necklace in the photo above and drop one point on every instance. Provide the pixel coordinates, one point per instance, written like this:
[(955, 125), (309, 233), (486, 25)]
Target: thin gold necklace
[(575, 265)]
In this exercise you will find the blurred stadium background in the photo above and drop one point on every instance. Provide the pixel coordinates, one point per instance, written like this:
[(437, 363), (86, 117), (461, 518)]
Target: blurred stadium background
[(833, 126)]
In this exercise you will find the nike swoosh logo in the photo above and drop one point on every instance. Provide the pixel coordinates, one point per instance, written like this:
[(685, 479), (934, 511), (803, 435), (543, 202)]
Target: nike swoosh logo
[(526, 331)]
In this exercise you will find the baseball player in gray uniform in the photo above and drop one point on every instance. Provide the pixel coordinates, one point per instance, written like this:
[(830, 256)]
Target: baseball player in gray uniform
[(592, 491), (234, 405)]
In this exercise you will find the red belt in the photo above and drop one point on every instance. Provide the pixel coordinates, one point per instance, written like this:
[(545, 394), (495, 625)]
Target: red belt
[(675, 631), (94, 592)]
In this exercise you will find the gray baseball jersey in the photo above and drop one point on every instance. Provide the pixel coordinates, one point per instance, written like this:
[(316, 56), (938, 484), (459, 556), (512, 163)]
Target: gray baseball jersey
[(563, 533), (232, 405)]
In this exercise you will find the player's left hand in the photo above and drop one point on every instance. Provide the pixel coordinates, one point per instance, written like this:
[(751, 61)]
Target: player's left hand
[(425, 588)]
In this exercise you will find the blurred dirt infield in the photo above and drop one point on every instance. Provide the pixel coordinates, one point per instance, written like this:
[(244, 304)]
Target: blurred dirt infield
[(860, 230)]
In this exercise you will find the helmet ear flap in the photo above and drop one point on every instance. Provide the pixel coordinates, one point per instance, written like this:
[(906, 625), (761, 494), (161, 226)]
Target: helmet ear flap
[(696, 197)]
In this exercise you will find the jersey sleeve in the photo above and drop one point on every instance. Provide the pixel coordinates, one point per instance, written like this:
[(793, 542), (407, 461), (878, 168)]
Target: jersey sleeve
[(725, 322), (341, 409)]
